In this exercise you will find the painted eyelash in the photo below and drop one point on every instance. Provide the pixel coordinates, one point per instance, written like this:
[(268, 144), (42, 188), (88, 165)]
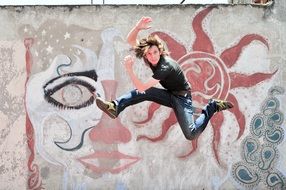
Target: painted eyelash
[(62, 106), (50, 92)]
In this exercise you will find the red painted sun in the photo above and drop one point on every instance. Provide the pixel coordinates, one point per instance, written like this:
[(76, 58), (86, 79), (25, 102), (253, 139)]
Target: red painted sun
[(210, 77)]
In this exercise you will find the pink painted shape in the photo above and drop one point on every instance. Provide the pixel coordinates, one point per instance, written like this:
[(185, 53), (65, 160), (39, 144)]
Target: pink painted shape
[(109, 130), (242, 80), (28, 42), (151, 110), (202, 42), (209, 66), (167, 124), (113, 155), (238, 114), (193, 149), (216, 122), (34, 181), (230, 55)]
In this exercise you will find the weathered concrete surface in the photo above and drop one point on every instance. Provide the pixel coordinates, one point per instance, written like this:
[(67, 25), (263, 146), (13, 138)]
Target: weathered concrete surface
[(240, 49)]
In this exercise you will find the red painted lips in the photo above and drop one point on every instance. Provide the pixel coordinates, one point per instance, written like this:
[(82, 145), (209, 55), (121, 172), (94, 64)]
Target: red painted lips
[(123, 161)]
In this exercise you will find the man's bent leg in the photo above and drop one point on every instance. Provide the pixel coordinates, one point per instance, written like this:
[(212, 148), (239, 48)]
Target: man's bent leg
[(153, 94), (209, 110), (184, 112), (192, 129), (114, 107)]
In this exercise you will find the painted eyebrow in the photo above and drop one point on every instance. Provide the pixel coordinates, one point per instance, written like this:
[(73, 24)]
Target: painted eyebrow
[(48, 93), (90, 74)]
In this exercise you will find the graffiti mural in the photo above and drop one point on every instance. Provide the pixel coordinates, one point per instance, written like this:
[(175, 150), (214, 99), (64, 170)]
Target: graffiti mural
[(259, 151), (73, 145)]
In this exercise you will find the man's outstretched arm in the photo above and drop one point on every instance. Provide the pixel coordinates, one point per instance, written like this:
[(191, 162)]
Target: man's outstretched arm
[(142, 24), (139, 85)]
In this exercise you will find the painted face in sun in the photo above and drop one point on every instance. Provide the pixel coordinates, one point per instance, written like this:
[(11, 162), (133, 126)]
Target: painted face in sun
[(153, 55)]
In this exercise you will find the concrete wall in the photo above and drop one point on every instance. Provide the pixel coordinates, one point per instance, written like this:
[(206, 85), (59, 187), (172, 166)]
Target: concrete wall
[(53, 136)]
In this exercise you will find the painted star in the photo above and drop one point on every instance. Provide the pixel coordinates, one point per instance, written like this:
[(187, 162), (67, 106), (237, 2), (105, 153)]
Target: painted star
[(67, 35), (44, 32), (25, 29), (49, 49)]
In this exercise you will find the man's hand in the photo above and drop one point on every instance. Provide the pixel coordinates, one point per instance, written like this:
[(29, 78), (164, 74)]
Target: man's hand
[(143, 23), (129, 62)]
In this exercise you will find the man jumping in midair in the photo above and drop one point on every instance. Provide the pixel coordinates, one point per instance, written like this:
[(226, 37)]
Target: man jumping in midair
[(176, 93)]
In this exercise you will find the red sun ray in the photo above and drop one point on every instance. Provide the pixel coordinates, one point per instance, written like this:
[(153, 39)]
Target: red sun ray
[(242, 80), (230, 55), (238, 114), (216, 122), (167, 124), (202, 41), (151, 110), (176, 50), (194, 148)]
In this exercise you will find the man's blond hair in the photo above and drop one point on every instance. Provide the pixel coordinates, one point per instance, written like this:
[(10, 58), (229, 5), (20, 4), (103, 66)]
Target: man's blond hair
[(144, 44)]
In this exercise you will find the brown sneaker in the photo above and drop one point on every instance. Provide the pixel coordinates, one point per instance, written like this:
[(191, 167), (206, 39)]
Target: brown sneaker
[(107, 107), (222, 105)]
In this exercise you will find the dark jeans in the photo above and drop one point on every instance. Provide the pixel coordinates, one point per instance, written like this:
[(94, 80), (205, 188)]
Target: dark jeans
[(181, 105)]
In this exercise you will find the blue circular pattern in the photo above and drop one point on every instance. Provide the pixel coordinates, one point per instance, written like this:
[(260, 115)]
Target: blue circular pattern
[(259, 150)]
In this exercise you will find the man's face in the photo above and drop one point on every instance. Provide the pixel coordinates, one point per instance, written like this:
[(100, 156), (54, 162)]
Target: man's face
[(153, 55)]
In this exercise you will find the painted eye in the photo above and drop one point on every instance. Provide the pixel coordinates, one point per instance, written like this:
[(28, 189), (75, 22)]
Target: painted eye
[(70, 92)]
